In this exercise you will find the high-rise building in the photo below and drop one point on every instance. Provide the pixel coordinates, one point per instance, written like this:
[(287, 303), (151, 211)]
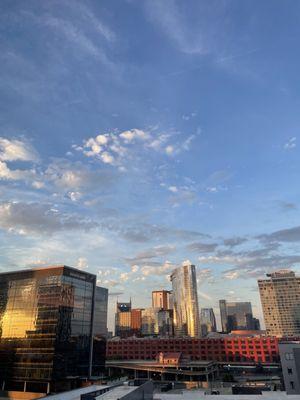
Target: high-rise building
[(185, 301), (99, 330), (207, 321), (150, 321), (47, 319), (161, 299), (136, 321), (280, 299), (236, 315), (165, 322), (123, 319)]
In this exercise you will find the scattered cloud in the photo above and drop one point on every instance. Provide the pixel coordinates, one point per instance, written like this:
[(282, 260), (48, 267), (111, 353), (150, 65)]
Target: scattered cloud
[(17, 175), (37, 218), (283, 235), (287, 206), (17, 150), (156, 251), (199, 247), (234, 241), (291, 143), (82, 263)]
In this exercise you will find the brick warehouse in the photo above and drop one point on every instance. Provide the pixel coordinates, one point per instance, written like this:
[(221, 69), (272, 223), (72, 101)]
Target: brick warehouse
[(258, 349)]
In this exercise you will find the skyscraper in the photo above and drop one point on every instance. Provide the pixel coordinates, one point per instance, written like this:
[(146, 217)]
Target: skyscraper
[(136, 321), (150, 321), (123, 319), (236, 315), (185, 301), (47, 319), (161, 299), (207, 321), (280, 299)]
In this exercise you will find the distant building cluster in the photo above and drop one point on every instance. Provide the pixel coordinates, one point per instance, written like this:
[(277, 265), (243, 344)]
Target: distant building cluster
[(176, 312), (53, 328)]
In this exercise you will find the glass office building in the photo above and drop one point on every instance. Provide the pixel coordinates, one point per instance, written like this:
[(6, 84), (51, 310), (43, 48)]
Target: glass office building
[(236, 315), (185, 301), (207, 321), (46, 327)]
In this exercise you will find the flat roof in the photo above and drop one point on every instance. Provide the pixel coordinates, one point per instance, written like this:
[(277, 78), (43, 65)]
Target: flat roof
[(46, 267), (199, 394), (117, 393), (76, 393)]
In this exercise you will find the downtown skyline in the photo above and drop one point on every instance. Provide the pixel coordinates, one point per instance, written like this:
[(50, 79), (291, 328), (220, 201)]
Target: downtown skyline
[(136, 135)]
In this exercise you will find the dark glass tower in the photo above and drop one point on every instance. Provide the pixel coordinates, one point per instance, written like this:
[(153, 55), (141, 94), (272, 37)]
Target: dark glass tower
[(47, 320)]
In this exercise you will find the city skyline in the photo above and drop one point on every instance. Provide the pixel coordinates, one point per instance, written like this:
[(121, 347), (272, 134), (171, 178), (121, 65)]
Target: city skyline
[(136, 135)]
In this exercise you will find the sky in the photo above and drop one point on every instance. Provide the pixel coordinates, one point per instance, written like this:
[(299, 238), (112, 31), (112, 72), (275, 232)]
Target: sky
[(136, 135)]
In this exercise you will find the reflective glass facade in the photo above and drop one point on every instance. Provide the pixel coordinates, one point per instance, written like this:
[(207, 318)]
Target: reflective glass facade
[(236, 315), (46, 318), (185, 301), (208, 321)]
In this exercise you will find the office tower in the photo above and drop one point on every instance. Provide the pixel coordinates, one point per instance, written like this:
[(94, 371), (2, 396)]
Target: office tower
[(161, 299), (136, 321), (207, 321), (47, 320), (280, 299), (236, 315), (165, 322), (123, 319), (185, 301), (99, 330), (149, 321)]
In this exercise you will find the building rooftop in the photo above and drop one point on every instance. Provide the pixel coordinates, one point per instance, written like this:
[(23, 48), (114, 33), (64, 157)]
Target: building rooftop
[(200, 394), (76, 393), (117, 393), (44, 268)]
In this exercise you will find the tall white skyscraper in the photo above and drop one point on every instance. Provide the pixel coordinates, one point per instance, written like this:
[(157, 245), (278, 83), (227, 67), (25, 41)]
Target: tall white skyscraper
[(185, 301)]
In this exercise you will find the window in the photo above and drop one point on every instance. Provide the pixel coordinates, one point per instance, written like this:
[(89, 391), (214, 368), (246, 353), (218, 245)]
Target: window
[(292, 384), (289, 356), (290, 371)]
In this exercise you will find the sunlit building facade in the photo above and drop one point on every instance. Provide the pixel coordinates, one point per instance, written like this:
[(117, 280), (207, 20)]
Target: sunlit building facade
[(280, 300), (207, 321), (123, 319), (46, 327), (161, 299), (185, 301), (136, 321)]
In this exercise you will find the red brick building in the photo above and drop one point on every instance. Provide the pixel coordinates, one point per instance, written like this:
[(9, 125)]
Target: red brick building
[(256, 349)]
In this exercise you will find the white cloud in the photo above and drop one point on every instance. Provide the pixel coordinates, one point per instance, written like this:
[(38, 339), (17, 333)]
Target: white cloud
[(14, 150), (133, 134), (107, 158), (74, 196), (152, 270), (14, 175), (82, 263), (291, 143), (173, 189), (38, 184), (102, 139), (134, 268), (170, 150), (75, 178)]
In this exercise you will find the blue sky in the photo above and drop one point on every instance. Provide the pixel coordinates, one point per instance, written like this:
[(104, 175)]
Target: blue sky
[(135, 135)]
